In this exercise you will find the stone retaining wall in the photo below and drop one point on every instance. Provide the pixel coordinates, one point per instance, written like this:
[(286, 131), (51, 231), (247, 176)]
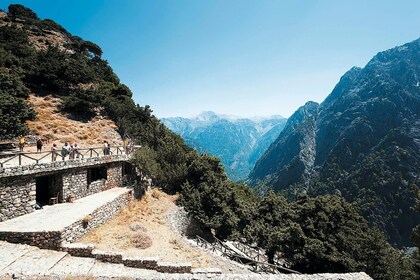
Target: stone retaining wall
[(17, 197), (43, 239), (54, 239), (97, 217), (141, 262), (78, 249), (109, 257)]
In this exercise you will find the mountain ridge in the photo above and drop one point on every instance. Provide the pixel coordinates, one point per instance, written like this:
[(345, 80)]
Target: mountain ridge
[(238, 141), (370, 113)]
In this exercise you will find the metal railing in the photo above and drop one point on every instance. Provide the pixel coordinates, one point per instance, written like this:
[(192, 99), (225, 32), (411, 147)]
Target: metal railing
[(257, 266), (20, 159)]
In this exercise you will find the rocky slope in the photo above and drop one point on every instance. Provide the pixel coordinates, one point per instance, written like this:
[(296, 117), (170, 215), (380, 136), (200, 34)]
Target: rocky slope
[(238, 142), (362, 142)]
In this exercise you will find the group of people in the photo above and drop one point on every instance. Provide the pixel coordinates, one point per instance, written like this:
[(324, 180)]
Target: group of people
[(72, 151), (68, 150)]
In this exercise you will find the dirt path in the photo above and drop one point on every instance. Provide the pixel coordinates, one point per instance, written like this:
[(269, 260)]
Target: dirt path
[(142, 229)]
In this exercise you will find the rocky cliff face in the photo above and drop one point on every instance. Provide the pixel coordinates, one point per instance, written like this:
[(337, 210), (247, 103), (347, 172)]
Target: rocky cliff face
[(238, 142), (363, 142)]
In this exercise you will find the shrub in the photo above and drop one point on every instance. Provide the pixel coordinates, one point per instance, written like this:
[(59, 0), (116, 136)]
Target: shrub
[(141, 240)]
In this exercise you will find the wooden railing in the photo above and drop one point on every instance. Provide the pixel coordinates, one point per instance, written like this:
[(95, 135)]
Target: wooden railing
[(257, 266), (252, 253), (19, 159)]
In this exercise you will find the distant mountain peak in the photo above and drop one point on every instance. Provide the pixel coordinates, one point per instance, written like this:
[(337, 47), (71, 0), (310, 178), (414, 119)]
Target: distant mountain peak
[(238, 141), (207, 116)]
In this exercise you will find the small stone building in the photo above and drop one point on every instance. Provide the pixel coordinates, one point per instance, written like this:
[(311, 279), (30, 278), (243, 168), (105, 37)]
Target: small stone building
[(22, 187)]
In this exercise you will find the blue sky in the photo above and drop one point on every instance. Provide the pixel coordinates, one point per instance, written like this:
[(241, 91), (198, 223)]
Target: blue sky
[(245, 58)]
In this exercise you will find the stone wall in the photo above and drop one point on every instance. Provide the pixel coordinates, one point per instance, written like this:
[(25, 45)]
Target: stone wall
[(98, 217), (114, 175), (17, 197), (42, 239), (54, 239), (75, 183)]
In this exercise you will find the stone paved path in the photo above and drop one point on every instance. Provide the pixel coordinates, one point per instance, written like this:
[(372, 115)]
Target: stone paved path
[(57, 217), (23, 261)]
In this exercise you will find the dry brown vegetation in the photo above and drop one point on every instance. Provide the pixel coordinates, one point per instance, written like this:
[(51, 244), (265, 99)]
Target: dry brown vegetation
[(53, 124), (141, 229)]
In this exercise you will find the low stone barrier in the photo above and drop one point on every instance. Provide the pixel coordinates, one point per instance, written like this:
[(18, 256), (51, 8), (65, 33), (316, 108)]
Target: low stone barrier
[(43, 239), (78, 249), (110, 257), (141, 262), (167, 267)]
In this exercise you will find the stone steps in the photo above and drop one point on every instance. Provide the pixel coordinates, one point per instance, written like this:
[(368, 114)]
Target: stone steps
[(88, 250), (24, 261)]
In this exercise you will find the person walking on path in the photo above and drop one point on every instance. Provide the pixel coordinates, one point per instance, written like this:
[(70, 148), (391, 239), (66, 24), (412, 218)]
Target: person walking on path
[(39, 145), (21, 143), (54, 152)]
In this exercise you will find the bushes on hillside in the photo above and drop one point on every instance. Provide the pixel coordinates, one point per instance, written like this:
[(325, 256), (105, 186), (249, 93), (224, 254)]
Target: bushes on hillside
[(13, 108)]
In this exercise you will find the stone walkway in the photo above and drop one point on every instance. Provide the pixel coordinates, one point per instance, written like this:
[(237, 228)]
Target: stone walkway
[(23, 261), (59, 216)]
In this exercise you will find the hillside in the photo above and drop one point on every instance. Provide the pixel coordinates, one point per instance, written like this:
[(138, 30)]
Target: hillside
[(238, 142), (54, 82), (362, 142), (58, 127)]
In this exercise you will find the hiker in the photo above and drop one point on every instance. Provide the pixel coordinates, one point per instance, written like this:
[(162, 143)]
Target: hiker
[(65, 150), (106, 148), (71, 152), (39, 145), (75, 151), (21, 143), (54, 152), (127, 145)]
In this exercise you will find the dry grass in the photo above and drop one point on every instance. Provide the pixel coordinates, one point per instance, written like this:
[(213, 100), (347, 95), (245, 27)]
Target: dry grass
[(141, 229), (52, 123)]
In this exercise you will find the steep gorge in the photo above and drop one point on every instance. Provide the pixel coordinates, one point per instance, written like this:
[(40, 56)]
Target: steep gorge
[(361, 142)]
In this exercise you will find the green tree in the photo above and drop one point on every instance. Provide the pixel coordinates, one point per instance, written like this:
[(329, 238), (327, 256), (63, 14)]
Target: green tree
[(21, 12), (267, 229), (14, 111), (145, 159)]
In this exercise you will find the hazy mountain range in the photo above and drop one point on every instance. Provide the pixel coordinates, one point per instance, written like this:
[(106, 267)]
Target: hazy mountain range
[(238, 142)]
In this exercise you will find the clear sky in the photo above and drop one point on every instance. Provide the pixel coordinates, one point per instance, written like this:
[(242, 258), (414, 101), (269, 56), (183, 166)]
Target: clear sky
[(244, 58)]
